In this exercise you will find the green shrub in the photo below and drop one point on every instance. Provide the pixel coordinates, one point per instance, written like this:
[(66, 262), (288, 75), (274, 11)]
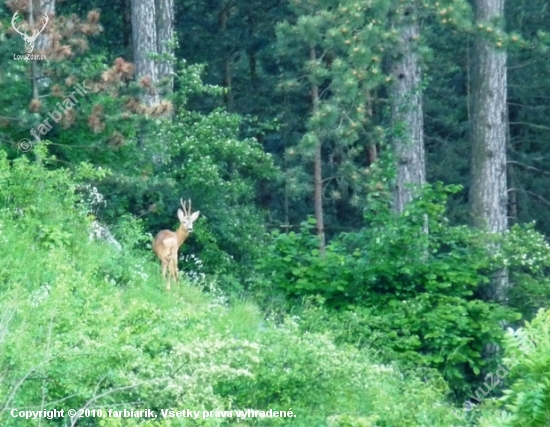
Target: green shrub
[(526, 399), (413, 286)]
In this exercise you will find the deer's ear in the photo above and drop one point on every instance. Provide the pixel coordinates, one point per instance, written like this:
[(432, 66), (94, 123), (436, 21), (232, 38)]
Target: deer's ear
[(195, 216), (181, 217)]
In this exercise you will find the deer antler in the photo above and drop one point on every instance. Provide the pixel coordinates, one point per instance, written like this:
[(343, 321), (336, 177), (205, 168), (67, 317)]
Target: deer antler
[(15, 16), (43, 26), (185, 213), (35, 33)]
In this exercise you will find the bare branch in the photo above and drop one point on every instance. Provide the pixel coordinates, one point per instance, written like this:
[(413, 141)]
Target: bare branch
[(523, 165)]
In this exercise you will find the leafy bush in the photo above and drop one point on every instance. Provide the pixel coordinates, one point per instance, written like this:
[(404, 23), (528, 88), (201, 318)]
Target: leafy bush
[(526, 401), (413, 285), (527, 254)]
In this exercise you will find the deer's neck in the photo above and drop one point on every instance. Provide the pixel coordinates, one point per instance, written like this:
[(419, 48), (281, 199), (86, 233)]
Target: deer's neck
[(182, 234)]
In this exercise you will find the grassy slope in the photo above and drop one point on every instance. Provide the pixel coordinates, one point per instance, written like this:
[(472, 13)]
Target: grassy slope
[(85, 325)]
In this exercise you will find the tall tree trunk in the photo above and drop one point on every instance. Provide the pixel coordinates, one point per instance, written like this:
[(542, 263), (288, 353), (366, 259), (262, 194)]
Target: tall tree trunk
[(372, 151), (512, 183), (165, 34), (251, 50), (34, 67), (43, 45), (44, 41), (144, 43), (488, 189), (317, 169), (227, 82), (407, 113)]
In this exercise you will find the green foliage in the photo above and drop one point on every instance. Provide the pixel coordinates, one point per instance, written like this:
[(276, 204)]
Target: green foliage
[(527, 254), (337, 47), (409, 285), (315, 377), (526, 401), (293, 263)]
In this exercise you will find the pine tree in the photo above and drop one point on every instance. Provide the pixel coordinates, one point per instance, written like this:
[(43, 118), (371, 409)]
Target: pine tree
[(333, 52)]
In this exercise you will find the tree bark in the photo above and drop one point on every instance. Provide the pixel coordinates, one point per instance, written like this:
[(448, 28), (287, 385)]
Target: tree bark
[(488, 189), (317, 169), (165, 35), (144, 43), (43, 44), (407, 114), (34, 68), (372, 151), (44, 41), (227, 82)]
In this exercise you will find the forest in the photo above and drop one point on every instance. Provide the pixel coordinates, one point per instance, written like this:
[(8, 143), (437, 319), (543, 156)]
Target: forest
[(275, 213)]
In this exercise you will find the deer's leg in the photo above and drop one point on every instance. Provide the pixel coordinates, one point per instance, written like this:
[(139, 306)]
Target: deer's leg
[(173, 266), (169, 267), (176, 272), (165, 265)]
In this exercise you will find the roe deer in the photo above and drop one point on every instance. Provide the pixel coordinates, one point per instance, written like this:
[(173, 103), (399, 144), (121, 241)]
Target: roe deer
[(167, 243)]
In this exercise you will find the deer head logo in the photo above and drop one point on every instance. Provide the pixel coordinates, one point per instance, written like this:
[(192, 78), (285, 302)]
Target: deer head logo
[(29, 40)]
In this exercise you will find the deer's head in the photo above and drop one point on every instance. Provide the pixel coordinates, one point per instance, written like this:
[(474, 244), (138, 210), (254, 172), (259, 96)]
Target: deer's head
[(186, 217), (29, 40)]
